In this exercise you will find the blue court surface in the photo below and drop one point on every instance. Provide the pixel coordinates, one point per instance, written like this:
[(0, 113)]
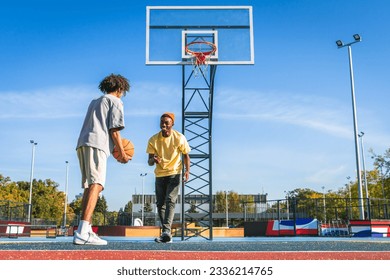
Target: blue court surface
[(247, 244)]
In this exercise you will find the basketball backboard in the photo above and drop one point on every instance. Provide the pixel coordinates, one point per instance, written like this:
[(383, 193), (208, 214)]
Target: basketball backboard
[(170, 28)]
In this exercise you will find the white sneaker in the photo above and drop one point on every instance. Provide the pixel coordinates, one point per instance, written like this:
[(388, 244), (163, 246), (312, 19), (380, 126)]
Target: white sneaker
[(89, 238)]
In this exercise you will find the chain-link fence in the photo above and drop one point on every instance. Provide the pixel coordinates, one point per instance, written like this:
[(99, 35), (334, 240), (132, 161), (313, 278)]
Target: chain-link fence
[(324, 210), (13, 211)]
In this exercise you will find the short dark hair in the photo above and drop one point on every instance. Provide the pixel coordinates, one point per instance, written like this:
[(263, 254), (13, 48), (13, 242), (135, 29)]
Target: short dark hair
[(113, 83)]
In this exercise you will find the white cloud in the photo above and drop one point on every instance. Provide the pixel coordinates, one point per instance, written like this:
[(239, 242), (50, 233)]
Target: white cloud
[(51, 103), (148, 99), (312, 112), (69, 102), (327, 176)]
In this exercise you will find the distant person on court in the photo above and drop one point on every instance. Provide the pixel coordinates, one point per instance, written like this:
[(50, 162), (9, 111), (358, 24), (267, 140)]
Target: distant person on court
[(166, 149), (99, 134)]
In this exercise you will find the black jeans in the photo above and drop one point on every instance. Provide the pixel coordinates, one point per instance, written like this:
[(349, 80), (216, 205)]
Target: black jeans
[(167, 190)]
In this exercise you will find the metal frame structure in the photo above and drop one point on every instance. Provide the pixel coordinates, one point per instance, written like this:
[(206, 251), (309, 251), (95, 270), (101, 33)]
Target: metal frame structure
[(168, 30), (197, 111)]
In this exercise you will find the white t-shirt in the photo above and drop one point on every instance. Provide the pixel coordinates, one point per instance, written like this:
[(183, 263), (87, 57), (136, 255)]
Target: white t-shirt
[(104, 113)]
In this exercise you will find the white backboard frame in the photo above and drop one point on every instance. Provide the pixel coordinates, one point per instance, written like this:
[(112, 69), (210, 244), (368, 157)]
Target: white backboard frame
[(183, 60)]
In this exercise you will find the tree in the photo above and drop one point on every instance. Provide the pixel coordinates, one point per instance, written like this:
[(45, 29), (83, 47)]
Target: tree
[(10, 191), (234, 203), (220, 202), (382, 164), (100, 213), (248, 203), (101, 205), (4, 180), (128, 207), (148, 207), (76, 205), (47, 202), (125, 215)]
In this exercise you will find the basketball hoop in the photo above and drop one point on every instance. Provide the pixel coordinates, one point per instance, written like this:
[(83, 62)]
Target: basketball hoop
[(201, 52)]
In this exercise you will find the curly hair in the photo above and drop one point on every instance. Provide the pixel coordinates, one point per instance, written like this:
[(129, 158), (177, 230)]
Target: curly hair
[(113, 83)]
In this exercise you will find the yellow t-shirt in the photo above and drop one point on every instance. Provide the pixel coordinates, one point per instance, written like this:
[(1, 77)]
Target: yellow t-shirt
[(169, 149)]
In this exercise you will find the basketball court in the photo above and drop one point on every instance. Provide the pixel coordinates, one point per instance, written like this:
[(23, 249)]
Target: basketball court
[(248, 248), (238, 258), (197, 39)]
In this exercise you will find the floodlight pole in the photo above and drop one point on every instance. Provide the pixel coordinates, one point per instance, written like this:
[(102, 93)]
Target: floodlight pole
[(287, 206), (143, 198), (361, 134), (340, 44), (227, 209), (349, 190), (323, 193), (66, 191), (33, 144)]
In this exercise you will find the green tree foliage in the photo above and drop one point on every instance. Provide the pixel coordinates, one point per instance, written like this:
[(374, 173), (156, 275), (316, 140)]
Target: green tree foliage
[(248, 203), (47, 201), (101, 216), (11, 191), (111, 218), (148, 207), (235, 203), (220, 202), (101, 205), (382, 183), (128, 207), (76, 205), (125, 214), (98, 219)]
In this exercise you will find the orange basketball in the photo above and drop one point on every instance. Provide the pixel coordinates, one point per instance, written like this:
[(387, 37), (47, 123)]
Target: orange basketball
[(127, 146)]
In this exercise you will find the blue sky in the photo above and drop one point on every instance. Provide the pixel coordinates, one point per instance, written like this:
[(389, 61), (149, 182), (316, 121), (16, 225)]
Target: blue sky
[(281, 124)]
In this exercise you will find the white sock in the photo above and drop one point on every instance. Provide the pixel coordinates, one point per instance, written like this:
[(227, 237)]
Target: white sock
[(84, 227), (90, 228)]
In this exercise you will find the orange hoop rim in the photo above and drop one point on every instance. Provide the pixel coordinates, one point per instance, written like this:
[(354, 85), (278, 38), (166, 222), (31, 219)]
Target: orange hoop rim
[(197, 53)]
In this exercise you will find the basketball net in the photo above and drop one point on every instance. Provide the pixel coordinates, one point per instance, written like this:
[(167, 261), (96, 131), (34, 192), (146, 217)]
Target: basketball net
[(200, 59)]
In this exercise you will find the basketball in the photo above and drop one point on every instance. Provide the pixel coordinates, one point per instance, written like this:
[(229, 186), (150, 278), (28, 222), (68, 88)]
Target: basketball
[(127, 146)]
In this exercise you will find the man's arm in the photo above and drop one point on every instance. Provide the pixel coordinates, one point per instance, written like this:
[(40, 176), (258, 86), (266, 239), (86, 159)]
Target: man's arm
[(187, 163), (116, 136)]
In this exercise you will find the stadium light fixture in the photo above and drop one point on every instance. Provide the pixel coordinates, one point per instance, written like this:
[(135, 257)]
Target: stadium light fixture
[(339, 43), (357, 37)]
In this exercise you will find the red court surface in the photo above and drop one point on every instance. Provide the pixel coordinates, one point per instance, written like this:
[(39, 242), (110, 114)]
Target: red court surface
[(121, 248), (170, 255)]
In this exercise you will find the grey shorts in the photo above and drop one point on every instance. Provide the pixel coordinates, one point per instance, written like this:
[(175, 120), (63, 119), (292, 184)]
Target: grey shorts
[(93, 166)]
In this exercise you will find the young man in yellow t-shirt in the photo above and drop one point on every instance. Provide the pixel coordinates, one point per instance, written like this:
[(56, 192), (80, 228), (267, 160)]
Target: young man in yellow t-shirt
[(166, 149)]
